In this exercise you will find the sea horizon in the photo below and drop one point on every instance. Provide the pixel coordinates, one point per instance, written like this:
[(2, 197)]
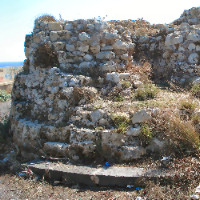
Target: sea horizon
[(11, 64)]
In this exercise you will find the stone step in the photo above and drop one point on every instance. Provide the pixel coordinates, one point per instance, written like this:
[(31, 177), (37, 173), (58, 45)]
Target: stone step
[(95, 176)]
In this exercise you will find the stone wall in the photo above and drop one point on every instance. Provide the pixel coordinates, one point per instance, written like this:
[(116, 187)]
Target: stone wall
[(60, 101)]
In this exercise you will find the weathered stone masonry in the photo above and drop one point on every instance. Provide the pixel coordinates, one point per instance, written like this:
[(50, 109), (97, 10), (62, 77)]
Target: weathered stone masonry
[(57, 109)]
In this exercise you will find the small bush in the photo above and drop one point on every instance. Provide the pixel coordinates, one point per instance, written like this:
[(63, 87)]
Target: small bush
[(196, 119), (149, 91), (126, 84), (145, 134), (188, 107), (45, 56), (46, 18), (4, 96), (121, 122), (196, 90), (182, 135)]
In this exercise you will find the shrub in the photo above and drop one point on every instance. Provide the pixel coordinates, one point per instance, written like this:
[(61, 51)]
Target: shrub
[(196, 119), (46, 18), (188, 107), (121, 121), (4, 96), (196, 90), (45, 56), (182, 134), (149, 91), (126, 84), (145, 134)]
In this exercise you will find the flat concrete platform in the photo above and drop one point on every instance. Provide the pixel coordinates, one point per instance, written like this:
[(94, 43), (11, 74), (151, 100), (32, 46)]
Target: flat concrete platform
[(101, 176)]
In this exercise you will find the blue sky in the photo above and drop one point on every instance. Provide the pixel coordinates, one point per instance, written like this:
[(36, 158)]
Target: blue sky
[(17, 16)]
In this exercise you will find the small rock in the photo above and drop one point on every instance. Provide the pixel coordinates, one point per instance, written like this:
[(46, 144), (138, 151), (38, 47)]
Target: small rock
[(140, 117), (193, 58), (134, 131), (195, 196)]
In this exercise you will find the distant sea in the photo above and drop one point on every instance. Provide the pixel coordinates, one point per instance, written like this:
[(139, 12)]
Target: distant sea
[(11, 64)]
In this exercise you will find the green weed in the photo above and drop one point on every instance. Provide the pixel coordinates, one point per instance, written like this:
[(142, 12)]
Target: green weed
[(121, 122), (4, 96), (149, 91)]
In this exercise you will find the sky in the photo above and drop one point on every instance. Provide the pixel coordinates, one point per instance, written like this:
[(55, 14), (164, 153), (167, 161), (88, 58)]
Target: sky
[(17, 16)]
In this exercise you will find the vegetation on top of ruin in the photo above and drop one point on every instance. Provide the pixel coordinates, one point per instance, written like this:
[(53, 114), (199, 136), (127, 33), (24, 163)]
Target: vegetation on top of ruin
[(46, 18)]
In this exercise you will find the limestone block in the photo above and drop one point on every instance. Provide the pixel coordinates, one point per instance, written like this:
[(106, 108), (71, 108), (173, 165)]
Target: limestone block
[(83, 36), (124, 76), (140, 117), (68, 27), (119, 45), (54, 36), (111, 36), (88, 57), (56, 148), (59, 46), (100, 26), (178, 39), (62, 56), (138, 84), (131, 46), (184, 26), (90, 27), (105, 55), (193, 58), (191, 46), (36, 39), (198, 48), (97, 115), (86, 64), (55, 26), (87, 146), (107, 48), (111, 138), (193, 37), (83, 48), (169, 39), (181, 57), (134, 131), (109, 66), (125, 56), (82, 134), (95, 48), (181, 49), (131, 152), (113, 77), (70, 47), (156, 146), (167, 54)]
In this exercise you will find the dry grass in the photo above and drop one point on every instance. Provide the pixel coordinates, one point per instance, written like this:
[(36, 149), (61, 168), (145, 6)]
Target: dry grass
[(46, 18)]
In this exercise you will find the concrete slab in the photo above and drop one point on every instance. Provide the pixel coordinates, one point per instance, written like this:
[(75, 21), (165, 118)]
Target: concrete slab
[(87, 175)]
